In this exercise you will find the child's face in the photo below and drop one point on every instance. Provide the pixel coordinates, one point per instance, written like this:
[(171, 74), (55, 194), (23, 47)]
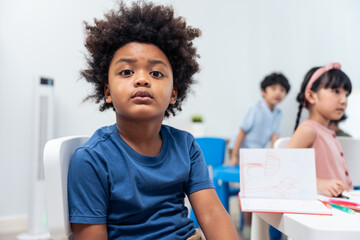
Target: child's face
[(329, 103), (140, 82), (273, 94)]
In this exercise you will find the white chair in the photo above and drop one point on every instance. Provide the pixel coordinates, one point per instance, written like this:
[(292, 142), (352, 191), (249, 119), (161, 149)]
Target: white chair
[(282, 142), (351, 149), (279, 143), (57, 157)]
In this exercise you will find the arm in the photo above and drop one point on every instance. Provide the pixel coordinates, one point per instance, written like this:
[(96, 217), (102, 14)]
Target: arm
[(274, 137), (89, 231), (86, 179), (304, 137), (238, 143), (211, 215)]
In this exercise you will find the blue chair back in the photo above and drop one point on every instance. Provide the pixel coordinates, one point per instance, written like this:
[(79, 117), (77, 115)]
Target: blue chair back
[(213, 150)]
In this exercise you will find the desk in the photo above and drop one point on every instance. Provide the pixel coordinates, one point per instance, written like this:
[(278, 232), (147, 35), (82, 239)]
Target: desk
[(222, 176), (340, 226)]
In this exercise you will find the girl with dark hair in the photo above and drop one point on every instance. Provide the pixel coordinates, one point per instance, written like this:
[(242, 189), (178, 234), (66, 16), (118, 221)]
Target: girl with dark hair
[(324, 93)]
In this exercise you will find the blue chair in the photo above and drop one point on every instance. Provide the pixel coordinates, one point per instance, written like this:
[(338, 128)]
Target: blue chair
[(213, 150)]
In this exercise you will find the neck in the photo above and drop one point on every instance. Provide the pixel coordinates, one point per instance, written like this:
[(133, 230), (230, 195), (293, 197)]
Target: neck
[(317, 117), (143, 136), (270, 106)]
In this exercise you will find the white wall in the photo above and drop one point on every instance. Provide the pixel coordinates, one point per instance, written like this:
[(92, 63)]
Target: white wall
[(242, 41)]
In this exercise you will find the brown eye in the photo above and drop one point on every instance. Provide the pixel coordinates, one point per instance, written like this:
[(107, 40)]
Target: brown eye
[(156, 74), (126, 72)]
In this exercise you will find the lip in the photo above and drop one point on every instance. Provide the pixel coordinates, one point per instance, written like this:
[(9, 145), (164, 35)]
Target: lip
[(340, 109), (142, 96)]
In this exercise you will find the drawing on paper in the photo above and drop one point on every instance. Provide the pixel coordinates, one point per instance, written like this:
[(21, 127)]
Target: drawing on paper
[(276, 183)]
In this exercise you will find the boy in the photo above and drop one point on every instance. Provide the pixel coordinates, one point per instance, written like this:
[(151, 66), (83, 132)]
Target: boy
[(130, 179), (261, 123)]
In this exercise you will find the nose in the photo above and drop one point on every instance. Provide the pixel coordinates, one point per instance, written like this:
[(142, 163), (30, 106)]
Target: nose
[(343, 99), (279, 91), (142, 81)]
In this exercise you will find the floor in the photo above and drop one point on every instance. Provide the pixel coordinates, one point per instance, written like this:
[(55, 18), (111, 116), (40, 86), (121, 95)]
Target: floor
[(8, 237), (234, 212)]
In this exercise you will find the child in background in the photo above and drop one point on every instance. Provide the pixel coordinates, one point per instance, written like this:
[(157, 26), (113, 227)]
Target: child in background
[(261, 123), (334, 125), (130, 179), (324, 93)]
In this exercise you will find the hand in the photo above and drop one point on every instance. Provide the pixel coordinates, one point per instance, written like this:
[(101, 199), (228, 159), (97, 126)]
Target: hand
[(330, 187), (234, 160)]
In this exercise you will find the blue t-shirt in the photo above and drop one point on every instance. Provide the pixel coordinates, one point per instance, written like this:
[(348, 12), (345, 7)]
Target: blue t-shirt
[(260, 123), (137, 196)]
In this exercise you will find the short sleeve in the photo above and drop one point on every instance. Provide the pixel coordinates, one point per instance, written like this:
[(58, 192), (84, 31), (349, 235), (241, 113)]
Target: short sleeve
[(248, 120), (199, 178), (277, 123), (87, 189)]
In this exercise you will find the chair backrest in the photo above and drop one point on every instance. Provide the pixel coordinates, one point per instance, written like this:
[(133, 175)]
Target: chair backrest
[(351, 149), (57, 157), (282, 142), (213, 150)]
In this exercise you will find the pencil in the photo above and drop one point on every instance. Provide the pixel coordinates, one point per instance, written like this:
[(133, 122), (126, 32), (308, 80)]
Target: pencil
[(342, 208)]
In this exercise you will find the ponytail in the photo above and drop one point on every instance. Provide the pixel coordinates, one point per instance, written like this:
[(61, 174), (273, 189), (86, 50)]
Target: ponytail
[(301, 99), (298, 116), (301, 95)]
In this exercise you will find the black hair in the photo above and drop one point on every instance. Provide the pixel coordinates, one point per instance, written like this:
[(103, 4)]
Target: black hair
[(275, 78), (144, 23), (335, 78)]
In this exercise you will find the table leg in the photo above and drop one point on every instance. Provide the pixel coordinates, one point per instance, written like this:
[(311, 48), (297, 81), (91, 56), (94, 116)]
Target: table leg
[(259, 228), (222, 190)]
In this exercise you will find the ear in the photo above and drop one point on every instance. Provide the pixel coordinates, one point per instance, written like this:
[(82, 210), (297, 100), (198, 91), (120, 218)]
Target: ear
[(107, 94), (263, 93), (310, 96), (173, 98)]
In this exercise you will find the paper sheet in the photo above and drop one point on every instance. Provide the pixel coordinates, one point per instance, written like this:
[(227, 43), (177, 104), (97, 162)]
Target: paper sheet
[(279, 180)]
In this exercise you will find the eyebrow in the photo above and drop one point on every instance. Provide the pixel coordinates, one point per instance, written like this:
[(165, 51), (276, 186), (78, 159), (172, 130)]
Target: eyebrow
[(157, 62), (130, 60)]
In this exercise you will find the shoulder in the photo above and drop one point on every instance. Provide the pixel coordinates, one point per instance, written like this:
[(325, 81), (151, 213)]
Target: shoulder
[(174, 134), (100, 135), (252, 110), (180, 140), (303, 137), (259, 105), (97, 143)]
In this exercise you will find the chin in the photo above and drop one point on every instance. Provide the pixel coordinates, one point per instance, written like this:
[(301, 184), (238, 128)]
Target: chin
[(147, 116)]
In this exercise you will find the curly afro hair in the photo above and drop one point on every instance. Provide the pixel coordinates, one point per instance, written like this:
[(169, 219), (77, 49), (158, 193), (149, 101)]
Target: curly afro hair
[(145, 23)]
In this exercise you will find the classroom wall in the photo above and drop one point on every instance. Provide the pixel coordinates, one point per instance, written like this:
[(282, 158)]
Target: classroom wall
[(241, 42)]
